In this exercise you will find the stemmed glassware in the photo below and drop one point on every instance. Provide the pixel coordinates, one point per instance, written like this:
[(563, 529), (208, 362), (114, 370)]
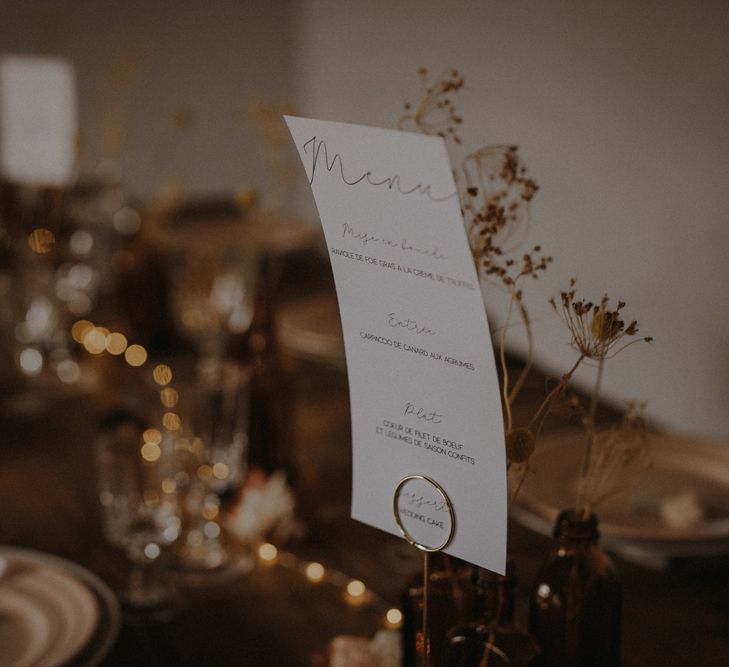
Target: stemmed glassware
[(141, 511), (217, 462), (212, 289)]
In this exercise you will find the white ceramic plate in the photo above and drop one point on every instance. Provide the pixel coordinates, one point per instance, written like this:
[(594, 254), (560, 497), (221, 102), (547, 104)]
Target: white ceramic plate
[(25, 630), (686, 471), (80, 613)]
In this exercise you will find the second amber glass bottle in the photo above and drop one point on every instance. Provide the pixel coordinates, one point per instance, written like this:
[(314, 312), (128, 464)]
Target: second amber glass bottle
[(576, 602), (491, 637)]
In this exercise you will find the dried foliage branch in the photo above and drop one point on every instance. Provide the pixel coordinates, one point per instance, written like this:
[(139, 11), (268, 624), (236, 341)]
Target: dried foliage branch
[(434, 113), (617, 455), (496, 205), (496, 198), (598, 333)]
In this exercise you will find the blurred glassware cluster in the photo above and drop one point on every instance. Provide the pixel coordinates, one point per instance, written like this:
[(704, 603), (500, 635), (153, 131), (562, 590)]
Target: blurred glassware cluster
[(60, 254)]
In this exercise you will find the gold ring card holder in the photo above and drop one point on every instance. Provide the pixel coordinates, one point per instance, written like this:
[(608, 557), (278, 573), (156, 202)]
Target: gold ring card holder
[(424, 514)]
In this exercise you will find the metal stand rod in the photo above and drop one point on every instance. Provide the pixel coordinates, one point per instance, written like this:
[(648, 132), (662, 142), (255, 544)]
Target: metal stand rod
[(426, 585)]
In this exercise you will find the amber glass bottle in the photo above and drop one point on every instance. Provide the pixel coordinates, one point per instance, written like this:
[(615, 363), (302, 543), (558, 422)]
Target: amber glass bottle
[(448, 601), (576, 602), (490, 636)]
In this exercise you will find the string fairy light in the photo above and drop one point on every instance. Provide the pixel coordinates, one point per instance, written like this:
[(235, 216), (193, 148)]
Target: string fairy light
[(353, 591), (99, 340)]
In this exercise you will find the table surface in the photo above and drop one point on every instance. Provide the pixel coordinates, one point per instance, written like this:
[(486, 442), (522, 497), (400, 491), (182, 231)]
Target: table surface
[(273, 616)]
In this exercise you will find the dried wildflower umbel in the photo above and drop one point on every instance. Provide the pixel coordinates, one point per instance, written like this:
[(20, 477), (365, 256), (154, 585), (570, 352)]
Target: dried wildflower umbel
[(595, 329), (598, 333)]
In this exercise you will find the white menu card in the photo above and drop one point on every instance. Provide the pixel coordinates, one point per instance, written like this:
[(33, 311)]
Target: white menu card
[(423, 386), (38, 120)]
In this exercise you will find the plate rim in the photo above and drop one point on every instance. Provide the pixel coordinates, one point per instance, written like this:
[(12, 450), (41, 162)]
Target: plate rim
[(711, 539), (8, 594), (104, 596)]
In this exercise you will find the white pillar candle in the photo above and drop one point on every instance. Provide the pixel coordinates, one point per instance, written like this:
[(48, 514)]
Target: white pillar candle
[(38, 120)]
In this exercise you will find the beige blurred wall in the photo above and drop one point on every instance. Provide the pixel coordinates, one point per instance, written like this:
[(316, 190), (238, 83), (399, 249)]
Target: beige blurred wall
[(165, 87), (620, 109)]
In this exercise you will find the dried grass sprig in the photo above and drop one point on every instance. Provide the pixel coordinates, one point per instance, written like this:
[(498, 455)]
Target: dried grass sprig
[(434, 113), (617, 454), (496, 192)]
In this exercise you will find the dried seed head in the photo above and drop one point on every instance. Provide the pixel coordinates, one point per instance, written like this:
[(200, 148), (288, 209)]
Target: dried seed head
[(520, 445), (595, 329), (605, 325)]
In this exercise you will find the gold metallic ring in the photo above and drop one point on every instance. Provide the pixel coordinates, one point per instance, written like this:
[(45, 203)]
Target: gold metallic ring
[(446, 499)]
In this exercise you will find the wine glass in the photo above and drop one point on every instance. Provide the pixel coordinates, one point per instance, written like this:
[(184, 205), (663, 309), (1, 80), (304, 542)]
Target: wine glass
[(141, 512), (212, 296), (219, 419)]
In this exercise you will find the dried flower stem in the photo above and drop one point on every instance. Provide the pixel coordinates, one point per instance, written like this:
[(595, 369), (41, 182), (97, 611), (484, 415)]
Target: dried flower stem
[(518, 486), (504, 369), (537, 421), (530, 354), (541, 414), (584, 506), (509, 395)]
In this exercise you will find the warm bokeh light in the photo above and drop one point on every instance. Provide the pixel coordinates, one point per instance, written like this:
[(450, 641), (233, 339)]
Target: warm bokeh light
[(127, 221), (211, 530), (31, 361), (94, 340), (394, 618), (221, 471), (314, 572), (152, 550), (81, 242), (169, 485), (151, 452), (68, 371), (41, 240), (356, 588), (172, 530), (162, 374), (171, 421), (116, 343), (267, 552), (80, 329), (205, 472), (152, 435), (169, 397), (135, 355)]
